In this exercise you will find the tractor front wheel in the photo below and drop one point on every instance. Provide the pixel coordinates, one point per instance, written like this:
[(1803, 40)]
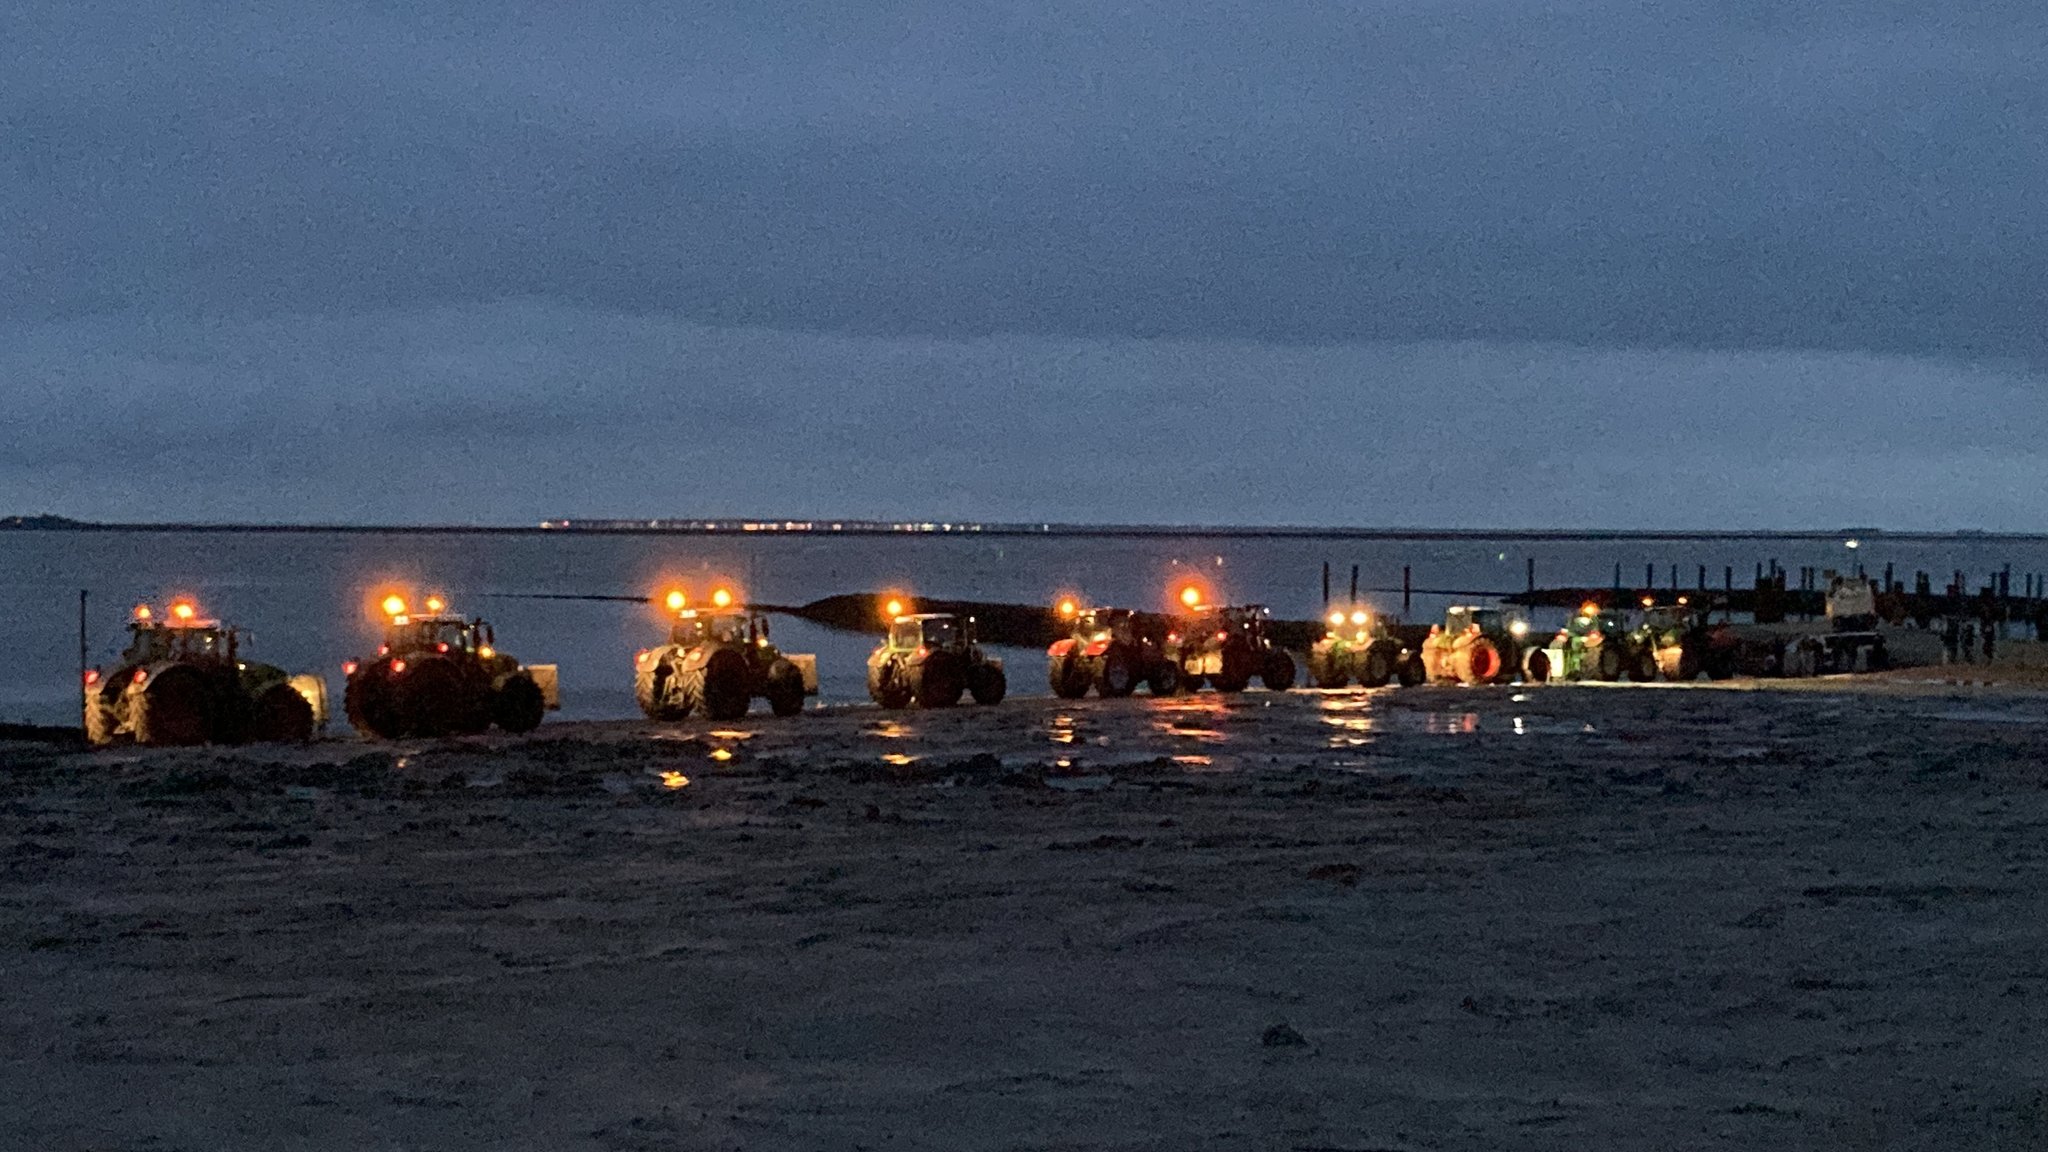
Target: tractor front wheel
[(785, 688), (518, 705), (726, 692), (1068, 677), (1277, 671), (1378, 668), (282, 717), (939, 682), (1165, 679), (988, 684), (1116, 675)]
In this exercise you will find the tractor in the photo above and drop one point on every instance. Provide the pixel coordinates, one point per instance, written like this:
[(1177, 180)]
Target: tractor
[(1112, 650), (1599, 644), (1227, 647), (1361, 645), (1686, 643), (439, 674), (930, 659), (717, 662), (183, 680), (1482, 646)]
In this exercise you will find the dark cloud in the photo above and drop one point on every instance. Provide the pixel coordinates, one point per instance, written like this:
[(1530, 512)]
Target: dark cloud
[(1819, 175), (513, 413), (1459, 262)]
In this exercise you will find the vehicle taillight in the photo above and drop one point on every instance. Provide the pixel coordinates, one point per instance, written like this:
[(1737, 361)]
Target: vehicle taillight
[(348, 668), (640, 656), (383, 649), (92, 677), (398, 667), (1223, 635), (441, 647), (141, 674)]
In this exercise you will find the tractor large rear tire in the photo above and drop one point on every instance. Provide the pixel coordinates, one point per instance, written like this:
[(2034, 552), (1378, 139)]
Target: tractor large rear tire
[(1609, 664), (1276, 672), (100, 721), (174, 710), (939, 682), (988, 684), (1478, 662), (282, 717), (370, 710), (1644, 671), (518, 705), (1536, 666), (726, 692), (1414, 672), (436, 702), (785, 688), (1116, 675)]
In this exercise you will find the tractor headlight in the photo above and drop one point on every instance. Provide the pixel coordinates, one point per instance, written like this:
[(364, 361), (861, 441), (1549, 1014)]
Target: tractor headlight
[(1519, 629)]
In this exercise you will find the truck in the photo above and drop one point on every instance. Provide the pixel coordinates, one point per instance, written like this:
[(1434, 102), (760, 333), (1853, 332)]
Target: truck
[(1850, 643), (1112, 650), (717, 663), (930, 659), (1359, 644), (183, 679), (441, 674), (1227, 646), (1476, 645)]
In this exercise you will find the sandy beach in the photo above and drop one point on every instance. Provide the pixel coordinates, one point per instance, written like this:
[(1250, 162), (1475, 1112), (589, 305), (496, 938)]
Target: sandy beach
[(1568, 917)]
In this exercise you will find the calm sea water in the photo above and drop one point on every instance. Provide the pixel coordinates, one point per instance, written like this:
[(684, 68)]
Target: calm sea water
[(305, 597)]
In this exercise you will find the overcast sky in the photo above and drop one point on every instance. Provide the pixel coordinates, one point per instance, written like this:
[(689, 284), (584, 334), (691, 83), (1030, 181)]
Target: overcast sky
[(1751, 263)]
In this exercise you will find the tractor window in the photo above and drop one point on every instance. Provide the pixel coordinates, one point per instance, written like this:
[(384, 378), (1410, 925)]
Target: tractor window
[(941, 633), (906, 634), (729, 629)]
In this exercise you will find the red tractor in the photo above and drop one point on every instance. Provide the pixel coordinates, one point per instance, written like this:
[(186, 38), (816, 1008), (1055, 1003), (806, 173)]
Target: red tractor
[(440, 674), (1112, 650)]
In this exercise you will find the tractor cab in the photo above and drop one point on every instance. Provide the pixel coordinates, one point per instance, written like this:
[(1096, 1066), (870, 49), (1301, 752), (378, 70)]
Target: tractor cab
[(439, 634), (186, 639), (935, 630), (1465, 618), (693, 628), (1592, 623), (1355, 625)]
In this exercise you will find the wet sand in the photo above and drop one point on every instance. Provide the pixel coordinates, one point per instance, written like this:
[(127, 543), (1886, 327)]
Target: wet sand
[(1563, 918)]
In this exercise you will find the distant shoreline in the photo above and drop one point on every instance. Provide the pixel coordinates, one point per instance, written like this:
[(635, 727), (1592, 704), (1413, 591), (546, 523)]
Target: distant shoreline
[(930, 529)]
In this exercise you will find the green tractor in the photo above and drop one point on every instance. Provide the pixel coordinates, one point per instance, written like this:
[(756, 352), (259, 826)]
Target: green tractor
[(1599, 643), (1112, 650), (1361, 645), (1482, 646), (1227, 647), (184, 680), (440, 674), (931, 659), (1687, 642), (717, 663)]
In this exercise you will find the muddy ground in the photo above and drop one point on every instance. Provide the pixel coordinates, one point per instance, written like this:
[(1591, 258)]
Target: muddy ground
[(1564, 918)]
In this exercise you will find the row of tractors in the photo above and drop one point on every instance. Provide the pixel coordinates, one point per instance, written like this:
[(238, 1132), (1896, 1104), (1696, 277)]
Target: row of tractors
[(184, 679)]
